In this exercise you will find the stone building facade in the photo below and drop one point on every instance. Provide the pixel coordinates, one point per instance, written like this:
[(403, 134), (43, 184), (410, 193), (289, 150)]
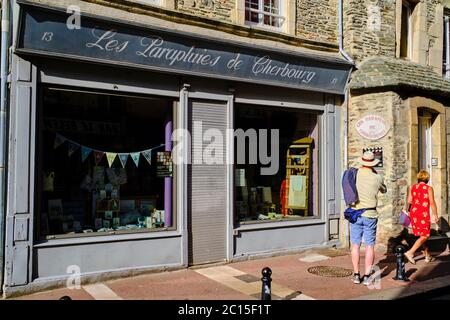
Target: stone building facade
[(409, 92)]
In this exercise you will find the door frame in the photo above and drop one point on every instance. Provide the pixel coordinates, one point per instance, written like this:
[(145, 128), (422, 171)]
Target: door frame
[(425, 127)]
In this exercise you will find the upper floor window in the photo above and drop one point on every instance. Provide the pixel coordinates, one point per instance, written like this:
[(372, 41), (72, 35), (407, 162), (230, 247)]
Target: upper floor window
[(264, 13), (406, 31), (446, 57)]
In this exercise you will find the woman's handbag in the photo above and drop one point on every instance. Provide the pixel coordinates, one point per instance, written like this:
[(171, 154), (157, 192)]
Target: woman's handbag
[(404, 219)]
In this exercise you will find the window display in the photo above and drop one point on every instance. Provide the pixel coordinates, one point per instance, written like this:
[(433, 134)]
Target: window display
[(292, 192), (98, 159)]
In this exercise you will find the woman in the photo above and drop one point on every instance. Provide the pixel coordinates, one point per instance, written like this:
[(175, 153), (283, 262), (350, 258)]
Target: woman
[(421, 199)]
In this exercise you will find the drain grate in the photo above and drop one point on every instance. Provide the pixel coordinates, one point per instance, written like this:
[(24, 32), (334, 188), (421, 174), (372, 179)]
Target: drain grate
[(331, 272)]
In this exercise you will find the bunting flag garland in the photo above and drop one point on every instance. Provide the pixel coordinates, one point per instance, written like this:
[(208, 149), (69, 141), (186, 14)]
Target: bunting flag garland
[(85, 152), (111, 156), (147, 155), (59, 140), (135, 156), (73, 146), (123, 157), (98, 155)]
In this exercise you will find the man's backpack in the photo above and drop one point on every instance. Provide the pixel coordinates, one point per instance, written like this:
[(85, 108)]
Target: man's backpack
[(349, 186)]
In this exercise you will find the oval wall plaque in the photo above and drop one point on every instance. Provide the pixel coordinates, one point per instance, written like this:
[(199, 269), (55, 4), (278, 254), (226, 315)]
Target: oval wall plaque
[(372, 127)]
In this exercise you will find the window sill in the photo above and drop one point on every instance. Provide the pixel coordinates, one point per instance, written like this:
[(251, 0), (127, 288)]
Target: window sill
[(106, 237), (149, 3), (275, 224), (267, 28)]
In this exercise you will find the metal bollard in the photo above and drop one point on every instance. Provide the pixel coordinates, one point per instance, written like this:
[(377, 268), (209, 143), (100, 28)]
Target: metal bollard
[(266, 280), (401, 272)]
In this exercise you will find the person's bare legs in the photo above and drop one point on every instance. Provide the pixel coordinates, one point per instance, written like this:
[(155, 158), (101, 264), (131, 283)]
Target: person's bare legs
[(417, 245), (369, 259), (355, 257)]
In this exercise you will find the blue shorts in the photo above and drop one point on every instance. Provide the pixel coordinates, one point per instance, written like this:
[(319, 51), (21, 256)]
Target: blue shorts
[(366, 227)]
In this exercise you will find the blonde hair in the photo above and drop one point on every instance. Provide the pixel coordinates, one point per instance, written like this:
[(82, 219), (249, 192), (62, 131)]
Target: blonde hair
[(423, 176)]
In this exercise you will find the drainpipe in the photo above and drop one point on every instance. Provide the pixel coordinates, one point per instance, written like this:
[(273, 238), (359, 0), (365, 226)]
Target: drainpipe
[(447, 47), (349, 59), (341, 33), (3, 128)]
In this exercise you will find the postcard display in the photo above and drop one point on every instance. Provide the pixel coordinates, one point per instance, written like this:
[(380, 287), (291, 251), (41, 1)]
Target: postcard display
[(108, 212), (259, 203)]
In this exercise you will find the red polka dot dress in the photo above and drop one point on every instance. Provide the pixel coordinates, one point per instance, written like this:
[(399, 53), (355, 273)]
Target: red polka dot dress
[(420, 209)]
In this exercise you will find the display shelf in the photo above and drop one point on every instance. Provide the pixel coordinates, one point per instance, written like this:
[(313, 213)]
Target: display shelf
[(298, 176)]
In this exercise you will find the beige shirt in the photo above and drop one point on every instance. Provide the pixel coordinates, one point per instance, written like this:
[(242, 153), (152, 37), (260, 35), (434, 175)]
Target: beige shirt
[(368, 185)]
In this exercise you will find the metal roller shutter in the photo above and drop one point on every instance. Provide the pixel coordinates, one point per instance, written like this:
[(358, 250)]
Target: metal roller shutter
[(207, 190)]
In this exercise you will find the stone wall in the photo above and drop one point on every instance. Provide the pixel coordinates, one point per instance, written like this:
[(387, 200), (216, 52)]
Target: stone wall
[(434, 32), (369, 28), (221, 10), (395, 154), (447, 124), (317, 20)]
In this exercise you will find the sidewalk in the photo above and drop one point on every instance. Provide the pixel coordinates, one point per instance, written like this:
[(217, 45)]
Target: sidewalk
[(290, 280)]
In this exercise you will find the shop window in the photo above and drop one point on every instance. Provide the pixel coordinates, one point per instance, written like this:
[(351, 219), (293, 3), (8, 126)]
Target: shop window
[(264, 13), (104, 164), (446, 51), (292, 191), (406, 31)]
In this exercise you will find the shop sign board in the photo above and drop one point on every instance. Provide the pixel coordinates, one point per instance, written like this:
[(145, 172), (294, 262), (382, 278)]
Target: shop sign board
[(45, 31), (372, 127)]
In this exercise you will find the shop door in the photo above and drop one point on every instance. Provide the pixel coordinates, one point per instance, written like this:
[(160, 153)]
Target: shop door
[(207, 184), (425, 143)]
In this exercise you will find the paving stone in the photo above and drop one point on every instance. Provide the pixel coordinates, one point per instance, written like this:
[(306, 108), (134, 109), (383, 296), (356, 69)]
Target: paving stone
[(314, 258)]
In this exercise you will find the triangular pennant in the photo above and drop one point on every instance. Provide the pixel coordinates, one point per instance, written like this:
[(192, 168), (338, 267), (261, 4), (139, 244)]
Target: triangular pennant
[(123, 157), (135, 156), (59, 140), (147, 155), (72, 147), (111, 157), (85, 152), (98, 155)]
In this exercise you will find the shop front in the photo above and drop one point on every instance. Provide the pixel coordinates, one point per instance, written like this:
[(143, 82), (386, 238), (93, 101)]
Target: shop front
[(134, 148)]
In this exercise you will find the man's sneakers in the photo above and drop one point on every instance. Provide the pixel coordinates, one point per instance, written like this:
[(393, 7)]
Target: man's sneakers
[(366, 279), (356, 278)]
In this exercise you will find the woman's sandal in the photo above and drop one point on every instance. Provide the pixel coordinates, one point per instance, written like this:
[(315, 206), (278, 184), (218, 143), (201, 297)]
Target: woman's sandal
[(410, 258), (428, 258)]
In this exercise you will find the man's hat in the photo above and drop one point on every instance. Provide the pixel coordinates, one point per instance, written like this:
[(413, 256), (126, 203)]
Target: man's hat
[(368, 159)]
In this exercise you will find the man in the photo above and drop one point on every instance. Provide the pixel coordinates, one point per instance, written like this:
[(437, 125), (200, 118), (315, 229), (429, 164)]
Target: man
[(368, 184)]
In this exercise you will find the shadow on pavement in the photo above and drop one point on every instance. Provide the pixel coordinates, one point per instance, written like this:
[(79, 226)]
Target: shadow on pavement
[(437, 244)]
